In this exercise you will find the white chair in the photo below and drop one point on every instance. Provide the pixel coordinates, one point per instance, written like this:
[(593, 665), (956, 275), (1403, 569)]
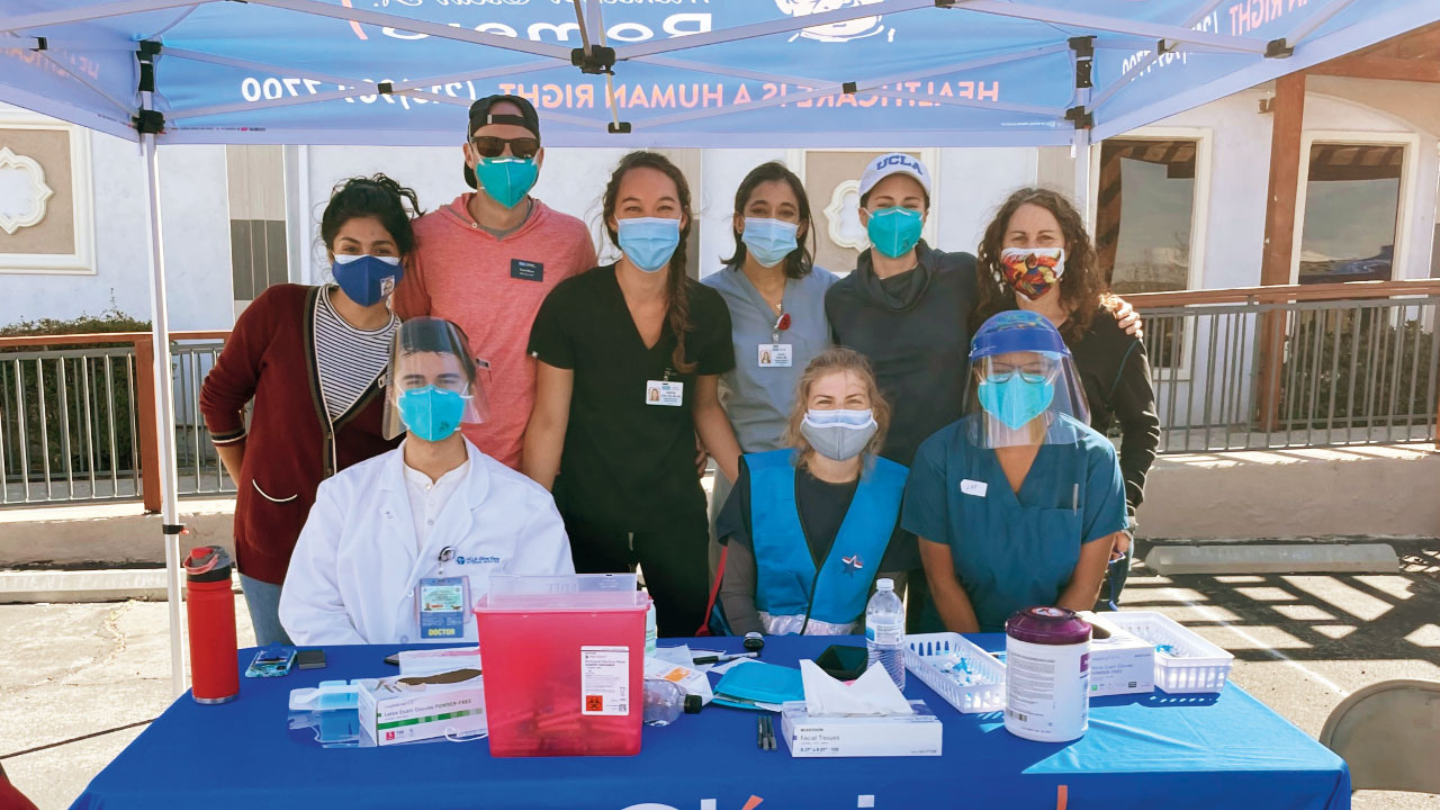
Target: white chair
[(1389, 734)]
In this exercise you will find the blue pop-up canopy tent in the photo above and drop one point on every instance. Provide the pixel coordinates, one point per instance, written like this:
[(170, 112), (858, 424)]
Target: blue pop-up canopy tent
[(674, 73)]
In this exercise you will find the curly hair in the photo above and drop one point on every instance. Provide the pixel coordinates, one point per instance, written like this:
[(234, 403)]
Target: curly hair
[(1082, 289), (678, 284), (834, 361), (392, 204)]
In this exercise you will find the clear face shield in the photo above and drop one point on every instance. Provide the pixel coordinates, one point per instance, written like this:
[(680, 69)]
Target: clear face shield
[(434, 383), (1024, 389)]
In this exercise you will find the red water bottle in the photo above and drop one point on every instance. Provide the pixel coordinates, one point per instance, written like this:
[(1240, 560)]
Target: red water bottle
[(210, 605)]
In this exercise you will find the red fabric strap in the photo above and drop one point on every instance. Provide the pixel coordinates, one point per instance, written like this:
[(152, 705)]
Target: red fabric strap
[(714, 593)]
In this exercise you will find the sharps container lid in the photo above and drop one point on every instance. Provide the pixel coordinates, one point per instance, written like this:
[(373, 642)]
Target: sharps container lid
[(1047, 625)]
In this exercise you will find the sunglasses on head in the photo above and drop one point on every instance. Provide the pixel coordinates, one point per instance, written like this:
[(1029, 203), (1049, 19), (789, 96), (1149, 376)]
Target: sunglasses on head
[(490, 146)]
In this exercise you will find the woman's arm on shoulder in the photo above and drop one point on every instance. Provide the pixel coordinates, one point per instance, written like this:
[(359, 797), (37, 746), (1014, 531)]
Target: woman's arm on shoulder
[(1125, 315)]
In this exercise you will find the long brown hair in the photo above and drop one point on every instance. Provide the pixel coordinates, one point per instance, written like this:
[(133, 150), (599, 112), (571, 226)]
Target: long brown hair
[(800, 260), (833, 361), (678, 284), (1081, 288)]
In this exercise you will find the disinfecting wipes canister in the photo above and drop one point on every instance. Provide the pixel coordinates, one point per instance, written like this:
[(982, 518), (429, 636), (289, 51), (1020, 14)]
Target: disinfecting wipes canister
[(1047, 674)]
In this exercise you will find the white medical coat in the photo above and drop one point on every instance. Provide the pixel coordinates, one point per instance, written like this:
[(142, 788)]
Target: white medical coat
[(355, 570)]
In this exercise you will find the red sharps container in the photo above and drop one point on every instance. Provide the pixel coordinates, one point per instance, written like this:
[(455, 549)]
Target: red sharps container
[(210, 606)]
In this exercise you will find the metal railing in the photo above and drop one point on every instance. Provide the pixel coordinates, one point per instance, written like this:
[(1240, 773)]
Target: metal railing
[(77, 424), (1303, 366), (1263, 367)]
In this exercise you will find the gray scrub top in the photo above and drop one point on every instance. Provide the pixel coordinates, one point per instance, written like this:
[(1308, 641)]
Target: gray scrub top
[(758, 400)]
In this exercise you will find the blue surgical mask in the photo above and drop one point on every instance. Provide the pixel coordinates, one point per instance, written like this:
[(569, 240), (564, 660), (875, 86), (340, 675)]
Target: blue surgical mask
[(894, 231), (1015, 401), (649, 242), (367, 280), (507, 179), (431, 413), (838, 434), (769, 240)]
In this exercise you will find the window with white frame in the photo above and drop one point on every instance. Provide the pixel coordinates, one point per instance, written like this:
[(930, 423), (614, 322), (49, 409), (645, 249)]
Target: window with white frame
[(1352, 206), (1144, 213), (259, 252)]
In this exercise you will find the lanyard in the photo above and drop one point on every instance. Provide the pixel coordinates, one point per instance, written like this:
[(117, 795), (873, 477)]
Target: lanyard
[(782, 324)]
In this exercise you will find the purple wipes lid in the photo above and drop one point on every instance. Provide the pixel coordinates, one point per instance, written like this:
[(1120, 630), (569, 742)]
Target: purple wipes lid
[(1047, 625)]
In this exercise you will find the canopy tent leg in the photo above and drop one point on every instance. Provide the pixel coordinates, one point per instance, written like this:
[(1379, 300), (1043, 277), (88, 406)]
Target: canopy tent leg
[(1084, 50), (165, 422), (1081, 147)]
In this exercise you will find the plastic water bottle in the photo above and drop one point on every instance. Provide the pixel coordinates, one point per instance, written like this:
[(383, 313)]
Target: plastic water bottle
[(667, 700), (885, 631)]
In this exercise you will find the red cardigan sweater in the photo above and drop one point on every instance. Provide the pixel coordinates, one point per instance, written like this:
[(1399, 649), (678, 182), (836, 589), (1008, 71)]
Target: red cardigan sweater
[(292, 444)]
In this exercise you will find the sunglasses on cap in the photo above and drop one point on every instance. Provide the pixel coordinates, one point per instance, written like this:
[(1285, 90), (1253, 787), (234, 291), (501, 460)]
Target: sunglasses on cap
[(490, 146)]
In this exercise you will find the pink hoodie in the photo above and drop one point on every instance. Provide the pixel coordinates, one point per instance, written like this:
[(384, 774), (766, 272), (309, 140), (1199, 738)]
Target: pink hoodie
[(492, 289)]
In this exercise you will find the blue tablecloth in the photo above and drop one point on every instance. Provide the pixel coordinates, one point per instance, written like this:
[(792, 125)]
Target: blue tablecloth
[(1152, 751)]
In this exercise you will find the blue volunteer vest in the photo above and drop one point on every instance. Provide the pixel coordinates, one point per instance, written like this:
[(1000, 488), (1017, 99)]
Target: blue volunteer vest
[(785, 570)]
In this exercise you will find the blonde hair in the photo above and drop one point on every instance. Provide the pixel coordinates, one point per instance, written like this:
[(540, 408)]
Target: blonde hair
[(836, 361)]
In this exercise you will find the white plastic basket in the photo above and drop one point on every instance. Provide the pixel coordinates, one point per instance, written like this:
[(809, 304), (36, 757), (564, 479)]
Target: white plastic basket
[(988, 696), (1200, 665)]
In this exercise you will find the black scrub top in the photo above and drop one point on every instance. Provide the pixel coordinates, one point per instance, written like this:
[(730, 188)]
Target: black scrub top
[(915, 329), (627, 465)]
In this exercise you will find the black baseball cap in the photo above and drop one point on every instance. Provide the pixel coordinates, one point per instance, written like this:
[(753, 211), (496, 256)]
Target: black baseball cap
[(480, 116)]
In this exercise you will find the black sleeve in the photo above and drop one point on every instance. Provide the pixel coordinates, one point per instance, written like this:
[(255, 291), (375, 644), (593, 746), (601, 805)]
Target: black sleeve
[(832, 313), (733, 522), (550, 340), (1133, 399), (715, 352), (903, 553)]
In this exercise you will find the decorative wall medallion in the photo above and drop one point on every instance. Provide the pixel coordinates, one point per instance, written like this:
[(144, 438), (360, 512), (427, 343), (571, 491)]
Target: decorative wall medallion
[(24, 204), (843, 217)]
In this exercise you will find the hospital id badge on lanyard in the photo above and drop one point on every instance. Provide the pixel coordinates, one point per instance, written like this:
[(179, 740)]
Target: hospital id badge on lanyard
[(776, 354), (664, 392), (442, 603)]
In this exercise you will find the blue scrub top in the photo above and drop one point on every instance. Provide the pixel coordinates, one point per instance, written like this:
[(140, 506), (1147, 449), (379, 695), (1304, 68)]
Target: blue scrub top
[(1014, 551), (758, 400)]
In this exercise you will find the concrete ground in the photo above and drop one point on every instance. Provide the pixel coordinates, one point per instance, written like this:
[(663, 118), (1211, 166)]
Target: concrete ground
[(1301, 643)]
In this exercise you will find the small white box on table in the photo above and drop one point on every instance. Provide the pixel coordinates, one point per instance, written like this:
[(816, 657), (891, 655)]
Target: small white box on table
[(914, 735), (1120, 663), (405, 709)]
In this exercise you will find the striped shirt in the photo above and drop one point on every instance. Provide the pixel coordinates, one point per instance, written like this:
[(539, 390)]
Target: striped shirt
[(349, 359)]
